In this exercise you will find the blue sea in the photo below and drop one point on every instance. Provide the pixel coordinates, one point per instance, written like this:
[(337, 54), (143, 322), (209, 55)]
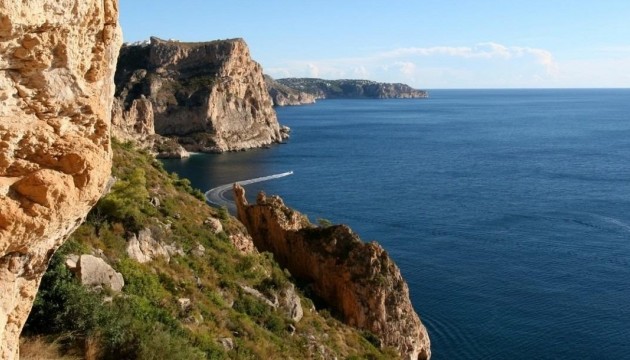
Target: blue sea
[(508, 211)]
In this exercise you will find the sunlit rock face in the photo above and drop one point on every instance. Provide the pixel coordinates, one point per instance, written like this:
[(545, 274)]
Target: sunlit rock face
[(357, 279), (211, 96), (57, 61)]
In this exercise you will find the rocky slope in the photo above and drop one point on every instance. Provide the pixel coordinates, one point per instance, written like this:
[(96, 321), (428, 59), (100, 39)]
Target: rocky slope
[(352, 89), (156, 273), (56, 89), (359, 280), (282, 95), (210, 96)]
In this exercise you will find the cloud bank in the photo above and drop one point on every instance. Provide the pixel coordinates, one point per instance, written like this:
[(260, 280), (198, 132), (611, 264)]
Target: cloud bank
[(484, 64)]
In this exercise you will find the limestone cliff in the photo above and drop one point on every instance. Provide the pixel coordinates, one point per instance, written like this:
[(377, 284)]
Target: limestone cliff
[(282, 95), (352, 89), (357, 279), (211, 96), (57, 60)]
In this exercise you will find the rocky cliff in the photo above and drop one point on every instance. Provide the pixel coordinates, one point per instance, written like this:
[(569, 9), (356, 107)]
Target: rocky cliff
[(357, 279), (210, 96), (352, 89), (57, 60), (282, 95)]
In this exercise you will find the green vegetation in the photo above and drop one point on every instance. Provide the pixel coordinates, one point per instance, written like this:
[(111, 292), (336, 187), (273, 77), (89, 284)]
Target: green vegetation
[(146, 321)]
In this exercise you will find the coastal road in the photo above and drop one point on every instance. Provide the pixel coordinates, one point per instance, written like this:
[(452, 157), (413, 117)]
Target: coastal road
[(216, 196)]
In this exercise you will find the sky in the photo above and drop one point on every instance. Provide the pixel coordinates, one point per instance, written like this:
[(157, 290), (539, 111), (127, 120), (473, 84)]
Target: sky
[(428, 44)]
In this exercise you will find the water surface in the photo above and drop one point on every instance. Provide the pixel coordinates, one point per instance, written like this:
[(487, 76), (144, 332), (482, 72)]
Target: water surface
[(508, 211)]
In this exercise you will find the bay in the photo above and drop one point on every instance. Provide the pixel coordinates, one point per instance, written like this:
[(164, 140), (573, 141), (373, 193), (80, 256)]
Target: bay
[(508, 211)]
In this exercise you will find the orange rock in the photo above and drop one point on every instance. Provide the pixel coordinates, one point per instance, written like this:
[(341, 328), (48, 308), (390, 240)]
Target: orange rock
[(358, 279)]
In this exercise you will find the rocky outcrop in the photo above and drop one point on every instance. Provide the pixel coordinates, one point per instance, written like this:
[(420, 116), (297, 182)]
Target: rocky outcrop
[(357, 279), (282, 95), (57, 60), (352, 89), (147, 246), (287, 300), (243, 242), (210, 96)]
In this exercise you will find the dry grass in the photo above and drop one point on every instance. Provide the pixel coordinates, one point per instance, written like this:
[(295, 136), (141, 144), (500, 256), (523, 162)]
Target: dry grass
[(37, 348)]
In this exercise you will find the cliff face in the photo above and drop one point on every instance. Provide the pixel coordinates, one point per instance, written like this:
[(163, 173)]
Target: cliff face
[(358, 279), (56, 66), (352, 89), (282, 95), (211, 96)]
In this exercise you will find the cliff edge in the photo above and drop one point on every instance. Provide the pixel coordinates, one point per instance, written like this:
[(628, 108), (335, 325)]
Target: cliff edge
[(56, 68), (210, 96), (357, 279)]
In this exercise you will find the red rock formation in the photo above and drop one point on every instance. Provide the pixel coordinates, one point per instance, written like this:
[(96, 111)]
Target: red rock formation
[(358, 279)]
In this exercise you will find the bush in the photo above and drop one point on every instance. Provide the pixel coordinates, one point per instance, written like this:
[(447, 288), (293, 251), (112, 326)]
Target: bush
[(128, 201)]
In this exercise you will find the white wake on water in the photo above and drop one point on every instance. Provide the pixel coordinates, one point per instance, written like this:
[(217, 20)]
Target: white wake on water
[(216, 196)]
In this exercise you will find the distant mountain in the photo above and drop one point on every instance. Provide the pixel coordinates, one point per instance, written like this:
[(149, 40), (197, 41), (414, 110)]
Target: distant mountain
[(351, 89)]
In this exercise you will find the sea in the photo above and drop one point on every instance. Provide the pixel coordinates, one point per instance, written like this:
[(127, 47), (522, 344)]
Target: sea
[(507, 211)]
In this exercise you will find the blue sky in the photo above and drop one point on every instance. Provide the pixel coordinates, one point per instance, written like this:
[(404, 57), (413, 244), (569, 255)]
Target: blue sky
[(427, 44)]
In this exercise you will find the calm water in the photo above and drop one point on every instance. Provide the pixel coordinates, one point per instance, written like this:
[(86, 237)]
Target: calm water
[(507, 211)]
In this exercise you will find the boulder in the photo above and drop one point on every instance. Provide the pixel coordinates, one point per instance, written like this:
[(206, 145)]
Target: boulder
[(214, 224), (96, 273)]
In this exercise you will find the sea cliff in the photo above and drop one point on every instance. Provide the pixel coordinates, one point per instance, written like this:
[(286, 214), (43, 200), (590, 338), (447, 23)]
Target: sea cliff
[(350, 89), (209, 96)]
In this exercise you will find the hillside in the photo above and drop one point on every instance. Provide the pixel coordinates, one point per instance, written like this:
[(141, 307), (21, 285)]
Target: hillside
[(203, 298), (352, 89)]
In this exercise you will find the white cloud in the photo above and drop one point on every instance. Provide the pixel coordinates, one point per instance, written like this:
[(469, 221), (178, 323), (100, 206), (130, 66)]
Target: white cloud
[(486, 50), (313, 70), (487, 64), (361, 72), (406, 67)]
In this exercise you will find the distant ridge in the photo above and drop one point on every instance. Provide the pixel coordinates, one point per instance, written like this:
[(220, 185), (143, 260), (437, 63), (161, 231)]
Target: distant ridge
[(351, 89)]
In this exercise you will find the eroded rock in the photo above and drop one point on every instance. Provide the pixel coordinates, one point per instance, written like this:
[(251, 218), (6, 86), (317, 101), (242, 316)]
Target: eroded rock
[(57, 59), (210, 96), (358, 279)]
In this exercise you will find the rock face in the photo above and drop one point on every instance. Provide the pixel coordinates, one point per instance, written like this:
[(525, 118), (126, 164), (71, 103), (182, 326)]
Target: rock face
[(211, 96), (282, 95), (357, 279), (57, 59), (352, 89)]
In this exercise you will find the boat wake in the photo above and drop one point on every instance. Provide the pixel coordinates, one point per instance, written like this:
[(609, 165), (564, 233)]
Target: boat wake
[(216, 196)]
